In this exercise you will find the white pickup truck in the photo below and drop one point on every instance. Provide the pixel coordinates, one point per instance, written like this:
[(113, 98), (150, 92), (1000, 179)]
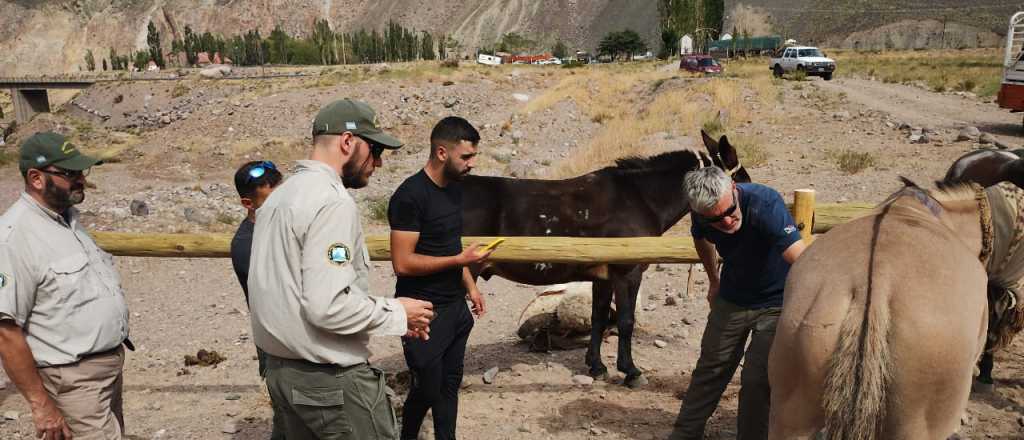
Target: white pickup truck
[(807, 59)]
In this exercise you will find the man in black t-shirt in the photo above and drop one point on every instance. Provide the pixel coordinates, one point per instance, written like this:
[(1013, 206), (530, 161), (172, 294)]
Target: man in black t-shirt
[(425, 214), (254, 182)]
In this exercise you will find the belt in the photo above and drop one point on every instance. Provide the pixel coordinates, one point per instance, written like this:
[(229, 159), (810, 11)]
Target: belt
[(127, 344), (304, 364)]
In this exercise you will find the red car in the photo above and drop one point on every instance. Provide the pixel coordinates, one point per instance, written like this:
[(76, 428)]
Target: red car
[(701, 64)]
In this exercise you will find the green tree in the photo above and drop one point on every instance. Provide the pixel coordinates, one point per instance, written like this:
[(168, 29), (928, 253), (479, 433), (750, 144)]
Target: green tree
[(104, 65), (153, 40), (114, 60), (141, 59), (559, 50), (90, 61), (427, 47), (625, 43), (190, 45), (277, 43), (669, 43), (323, 39)]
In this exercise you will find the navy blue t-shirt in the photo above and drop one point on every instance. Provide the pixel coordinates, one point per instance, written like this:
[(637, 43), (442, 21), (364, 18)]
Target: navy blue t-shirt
[(241, 250), (419, 205), (754, 272)]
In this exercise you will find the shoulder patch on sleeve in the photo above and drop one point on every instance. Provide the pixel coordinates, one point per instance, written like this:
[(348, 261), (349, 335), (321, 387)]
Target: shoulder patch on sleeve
[(339, 254)]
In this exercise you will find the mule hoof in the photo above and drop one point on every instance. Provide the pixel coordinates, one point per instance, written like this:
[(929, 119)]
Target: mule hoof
[(636, 381), (600, 374), (983, 387)]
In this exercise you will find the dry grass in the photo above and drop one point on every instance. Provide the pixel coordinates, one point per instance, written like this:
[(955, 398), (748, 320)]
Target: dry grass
[(630, 108), (973, 70), (852, 162), (377, 209)]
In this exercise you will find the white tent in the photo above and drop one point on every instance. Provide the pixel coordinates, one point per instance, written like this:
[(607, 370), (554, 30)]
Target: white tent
[(686, 45)]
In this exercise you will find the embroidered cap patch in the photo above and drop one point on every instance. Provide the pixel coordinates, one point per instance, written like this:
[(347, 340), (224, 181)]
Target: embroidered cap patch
[(339, 254)]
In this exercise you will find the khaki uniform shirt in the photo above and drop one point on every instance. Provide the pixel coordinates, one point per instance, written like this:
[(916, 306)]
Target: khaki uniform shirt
[(309, 274), (58, 286)]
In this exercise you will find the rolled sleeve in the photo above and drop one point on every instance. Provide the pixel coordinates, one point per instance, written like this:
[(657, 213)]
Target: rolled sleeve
[(331, 298), (17, 290)]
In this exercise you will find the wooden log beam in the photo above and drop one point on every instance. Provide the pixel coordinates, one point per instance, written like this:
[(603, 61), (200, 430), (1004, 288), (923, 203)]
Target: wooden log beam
[(636, 250), (803, 213)]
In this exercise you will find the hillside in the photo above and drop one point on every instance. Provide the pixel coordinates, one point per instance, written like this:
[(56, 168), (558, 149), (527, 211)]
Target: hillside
[(877, 24), (53, 35)]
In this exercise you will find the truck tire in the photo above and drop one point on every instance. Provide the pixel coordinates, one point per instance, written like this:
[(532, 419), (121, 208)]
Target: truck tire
[(827, 76), (777, 71)]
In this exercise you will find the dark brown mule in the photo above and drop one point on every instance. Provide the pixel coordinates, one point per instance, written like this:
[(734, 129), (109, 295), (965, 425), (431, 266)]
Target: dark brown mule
[(638, 197), (987, 167)]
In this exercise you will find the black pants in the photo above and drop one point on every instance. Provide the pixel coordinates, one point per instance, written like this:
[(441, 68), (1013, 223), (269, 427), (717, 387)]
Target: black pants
[(436, 367)]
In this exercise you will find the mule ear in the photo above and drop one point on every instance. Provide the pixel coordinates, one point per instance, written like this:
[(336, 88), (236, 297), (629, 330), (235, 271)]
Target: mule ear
[(709, 143), (730, 158)]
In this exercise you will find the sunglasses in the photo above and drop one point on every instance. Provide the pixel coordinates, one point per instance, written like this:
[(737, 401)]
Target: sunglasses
[(259, 170), (67, 174), (718, 218), (376, 150)]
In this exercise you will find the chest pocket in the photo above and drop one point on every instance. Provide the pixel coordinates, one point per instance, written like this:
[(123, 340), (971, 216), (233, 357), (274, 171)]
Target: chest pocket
[(71, 281)]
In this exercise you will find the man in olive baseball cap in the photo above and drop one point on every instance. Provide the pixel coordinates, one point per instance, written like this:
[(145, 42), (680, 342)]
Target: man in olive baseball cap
[(48, 148), (352, 116)]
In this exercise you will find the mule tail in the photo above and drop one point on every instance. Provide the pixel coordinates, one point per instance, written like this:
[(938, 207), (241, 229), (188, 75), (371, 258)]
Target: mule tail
[(860, 370)]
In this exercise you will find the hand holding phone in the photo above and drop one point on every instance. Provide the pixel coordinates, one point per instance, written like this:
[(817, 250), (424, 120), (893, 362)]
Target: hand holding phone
[(494, 244)]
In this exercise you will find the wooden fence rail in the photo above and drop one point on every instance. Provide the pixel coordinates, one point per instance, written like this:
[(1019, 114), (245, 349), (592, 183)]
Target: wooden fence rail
[(632, 250)]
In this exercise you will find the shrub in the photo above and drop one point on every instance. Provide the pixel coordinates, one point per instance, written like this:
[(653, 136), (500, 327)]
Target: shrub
[(852, 162)]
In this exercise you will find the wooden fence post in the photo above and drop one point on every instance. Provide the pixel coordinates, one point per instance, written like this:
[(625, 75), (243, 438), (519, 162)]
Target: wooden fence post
[(803, 213)]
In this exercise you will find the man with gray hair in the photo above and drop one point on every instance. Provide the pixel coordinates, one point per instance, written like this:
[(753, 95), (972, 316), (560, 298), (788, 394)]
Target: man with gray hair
[(749, 226)]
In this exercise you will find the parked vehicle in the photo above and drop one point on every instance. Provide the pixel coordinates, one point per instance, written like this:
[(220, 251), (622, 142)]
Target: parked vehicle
[(700, 63), (1011, 92), (805, 59)]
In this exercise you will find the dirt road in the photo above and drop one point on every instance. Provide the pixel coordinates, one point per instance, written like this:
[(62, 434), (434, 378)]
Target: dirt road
[(923, 108)]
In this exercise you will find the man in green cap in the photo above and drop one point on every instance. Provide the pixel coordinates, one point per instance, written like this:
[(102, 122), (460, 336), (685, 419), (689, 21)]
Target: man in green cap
[(312, 313), (63, 316)]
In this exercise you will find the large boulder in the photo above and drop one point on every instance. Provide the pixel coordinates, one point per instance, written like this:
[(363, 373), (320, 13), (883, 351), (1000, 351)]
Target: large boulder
[(214, 72)]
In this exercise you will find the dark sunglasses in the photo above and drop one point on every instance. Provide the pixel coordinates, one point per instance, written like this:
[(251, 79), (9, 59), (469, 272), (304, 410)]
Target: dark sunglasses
[(67, 174), (718, 218), (259, 170), (376, 150)]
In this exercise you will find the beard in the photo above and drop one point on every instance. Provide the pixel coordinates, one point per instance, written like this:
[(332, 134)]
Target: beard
[(61, 199), (352, 175), (451, 172)]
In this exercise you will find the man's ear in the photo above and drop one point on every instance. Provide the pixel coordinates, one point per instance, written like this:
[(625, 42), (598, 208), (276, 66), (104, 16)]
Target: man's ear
[(348, 143), (442, 152), (247, 203), (36, 179)]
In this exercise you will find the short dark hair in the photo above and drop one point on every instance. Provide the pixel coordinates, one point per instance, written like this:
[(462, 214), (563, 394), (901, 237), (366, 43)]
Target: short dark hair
[(246, 185), (452, 130)]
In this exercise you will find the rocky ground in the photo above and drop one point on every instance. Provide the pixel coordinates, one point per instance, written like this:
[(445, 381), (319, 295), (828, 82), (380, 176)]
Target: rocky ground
[(174, 146)]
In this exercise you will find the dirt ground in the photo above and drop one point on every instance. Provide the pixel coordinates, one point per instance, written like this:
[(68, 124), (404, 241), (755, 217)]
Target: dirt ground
[(175, 148)]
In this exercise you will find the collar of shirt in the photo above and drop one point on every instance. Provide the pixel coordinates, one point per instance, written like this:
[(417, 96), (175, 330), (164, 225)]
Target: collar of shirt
[(45, 211), (318, 167)]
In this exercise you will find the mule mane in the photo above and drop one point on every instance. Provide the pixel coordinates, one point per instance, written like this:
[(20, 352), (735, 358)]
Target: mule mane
[(940, 198), (670, 161)]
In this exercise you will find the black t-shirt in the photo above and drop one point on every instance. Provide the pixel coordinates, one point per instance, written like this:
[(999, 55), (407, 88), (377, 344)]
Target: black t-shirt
[(241, 249), (419, 205)]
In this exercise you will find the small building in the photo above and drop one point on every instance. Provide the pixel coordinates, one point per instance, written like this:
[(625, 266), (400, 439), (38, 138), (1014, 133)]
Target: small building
[(152, 67), (686, 45), (490, 60), (202, 58)]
